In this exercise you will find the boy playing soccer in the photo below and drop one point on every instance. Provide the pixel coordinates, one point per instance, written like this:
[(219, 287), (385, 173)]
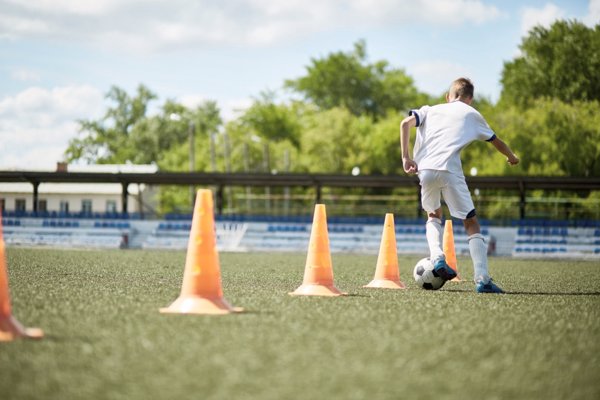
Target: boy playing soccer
[(443, 131)]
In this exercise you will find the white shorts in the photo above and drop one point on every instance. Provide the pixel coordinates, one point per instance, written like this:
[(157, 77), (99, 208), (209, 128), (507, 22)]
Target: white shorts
[(453, 187)]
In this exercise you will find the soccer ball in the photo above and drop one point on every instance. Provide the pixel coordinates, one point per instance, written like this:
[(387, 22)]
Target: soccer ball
[(426, 277)]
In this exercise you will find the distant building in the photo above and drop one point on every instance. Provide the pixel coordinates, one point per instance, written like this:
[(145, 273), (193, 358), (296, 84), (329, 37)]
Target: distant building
[(85, 198)]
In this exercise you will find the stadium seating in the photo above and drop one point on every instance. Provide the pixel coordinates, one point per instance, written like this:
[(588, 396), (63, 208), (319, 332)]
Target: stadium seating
[(557, 240), (56, 232), (527, 238), (172, 235)]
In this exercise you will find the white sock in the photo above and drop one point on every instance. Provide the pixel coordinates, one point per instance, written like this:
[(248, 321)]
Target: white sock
[(434, 232), (478, 250)]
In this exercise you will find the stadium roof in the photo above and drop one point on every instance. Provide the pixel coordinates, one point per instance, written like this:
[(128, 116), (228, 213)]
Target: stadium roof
[(518, 183)]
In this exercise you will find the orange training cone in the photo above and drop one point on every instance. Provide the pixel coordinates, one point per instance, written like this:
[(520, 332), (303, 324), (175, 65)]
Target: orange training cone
[(10, 328), (449, 250), (201, 292), (387, 274), (318, 272)]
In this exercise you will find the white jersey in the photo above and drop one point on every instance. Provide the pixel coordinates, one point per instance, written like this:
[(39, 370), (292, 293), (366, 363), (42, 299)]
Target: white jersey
[(443, 131)]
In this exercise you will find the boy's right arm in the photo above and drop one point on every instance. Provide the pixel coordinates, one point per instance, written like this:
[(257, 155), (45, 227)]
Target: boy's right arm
[(503, 148), (409, 166)]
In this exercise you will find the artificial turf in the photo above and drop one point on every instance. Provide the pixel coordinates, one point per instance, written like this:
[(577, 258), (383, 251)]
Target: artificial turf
[(105, 338)]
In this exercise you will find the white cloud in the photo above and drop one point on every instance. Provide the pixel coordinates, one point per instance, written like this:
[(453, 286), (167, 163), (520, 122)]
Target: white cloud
[(37, 123), (149, 25), (460, 12), (593, 17), (24, 75), (544, 16), (77, 7)]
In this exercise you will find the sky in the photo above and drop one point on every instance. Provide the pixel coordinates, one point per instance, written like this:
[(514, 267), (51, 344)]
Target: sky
[(59, 58)]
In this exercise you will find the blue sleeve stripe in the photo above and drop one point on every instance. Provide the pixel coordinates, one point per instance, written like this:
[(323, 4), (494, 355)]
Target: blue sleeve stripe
[(492, 138), (413, 112)]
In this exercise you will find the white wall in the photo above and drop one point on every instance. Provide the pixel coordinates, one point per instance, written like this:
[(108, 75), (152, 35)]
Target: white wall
[(53, 201)]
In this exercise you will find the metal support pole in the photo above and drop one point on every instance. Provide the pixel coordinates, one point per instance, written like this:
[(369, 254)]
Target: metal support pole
[(522, 203), (267, 168), (286, 190), (247, 169), (220, 200), (226, 154), (35, 196), (124, 196)]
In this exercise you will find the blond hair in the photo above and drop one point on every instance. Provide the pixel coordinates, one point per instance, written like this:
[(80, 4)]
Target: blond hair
[(462, 88)]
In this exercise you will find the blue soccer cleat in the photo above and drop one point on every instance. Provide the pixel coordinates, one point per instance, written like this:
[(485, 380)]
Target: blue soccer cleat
[(489, 287), (444, 270)]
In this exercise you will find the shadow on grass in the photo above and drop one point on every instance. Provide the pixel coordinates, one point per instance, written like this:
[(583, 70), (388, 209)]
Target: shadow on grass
[(554, 293), (253, 312), (55, 338), (530, 293), (331, 297)]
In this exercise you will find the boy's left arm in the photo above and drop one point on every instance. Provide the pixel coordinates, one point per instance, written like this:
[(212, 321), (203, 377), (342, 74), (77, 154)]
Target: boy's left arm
[(503, 148)]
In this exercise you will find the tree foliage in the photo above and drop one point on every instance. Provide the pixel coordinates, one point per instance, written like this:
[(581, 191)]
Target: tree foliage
[(274, 122), (551, 138), (561, 62), (347, 80), (108, 139), (127, 134)]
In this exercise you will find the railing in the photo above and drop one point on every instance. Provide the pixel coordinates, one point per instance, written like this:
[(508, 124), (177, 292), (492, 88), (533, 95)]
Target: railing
[(515, 201)]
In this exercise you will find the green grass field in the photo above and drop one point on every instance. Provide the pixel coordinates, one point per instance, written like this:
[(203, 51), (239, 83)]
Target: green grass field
[(105, 338)]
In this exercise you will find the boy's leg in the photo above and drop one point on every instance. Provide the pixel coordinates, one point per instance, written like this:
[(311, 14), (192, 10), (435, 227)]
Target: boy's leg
[(432, 183), (434, 234), (431, 201), (478, 250), (431, 186), (457, 196)]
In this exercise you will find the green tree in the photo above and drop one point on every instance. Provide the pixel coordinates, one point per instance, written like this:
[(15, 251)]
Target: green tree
[(272, 121), (551, 137), (107, 140), (382, 146), (347, 80), (174, 122), (333, 141), (127, 134), (561, 62)]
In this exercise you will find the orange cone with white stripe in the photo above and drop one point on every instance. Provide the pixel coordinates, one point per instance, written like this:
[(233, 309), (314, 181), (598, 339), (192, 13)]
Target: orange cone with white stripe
[(201, 292), (10, 328), (318, 272), (449, 250), (387, 273)]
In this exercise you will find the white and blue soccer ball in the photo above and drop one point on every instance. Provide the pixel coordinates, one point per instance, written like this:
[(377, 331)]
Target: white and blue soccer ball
[(426, 277)]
